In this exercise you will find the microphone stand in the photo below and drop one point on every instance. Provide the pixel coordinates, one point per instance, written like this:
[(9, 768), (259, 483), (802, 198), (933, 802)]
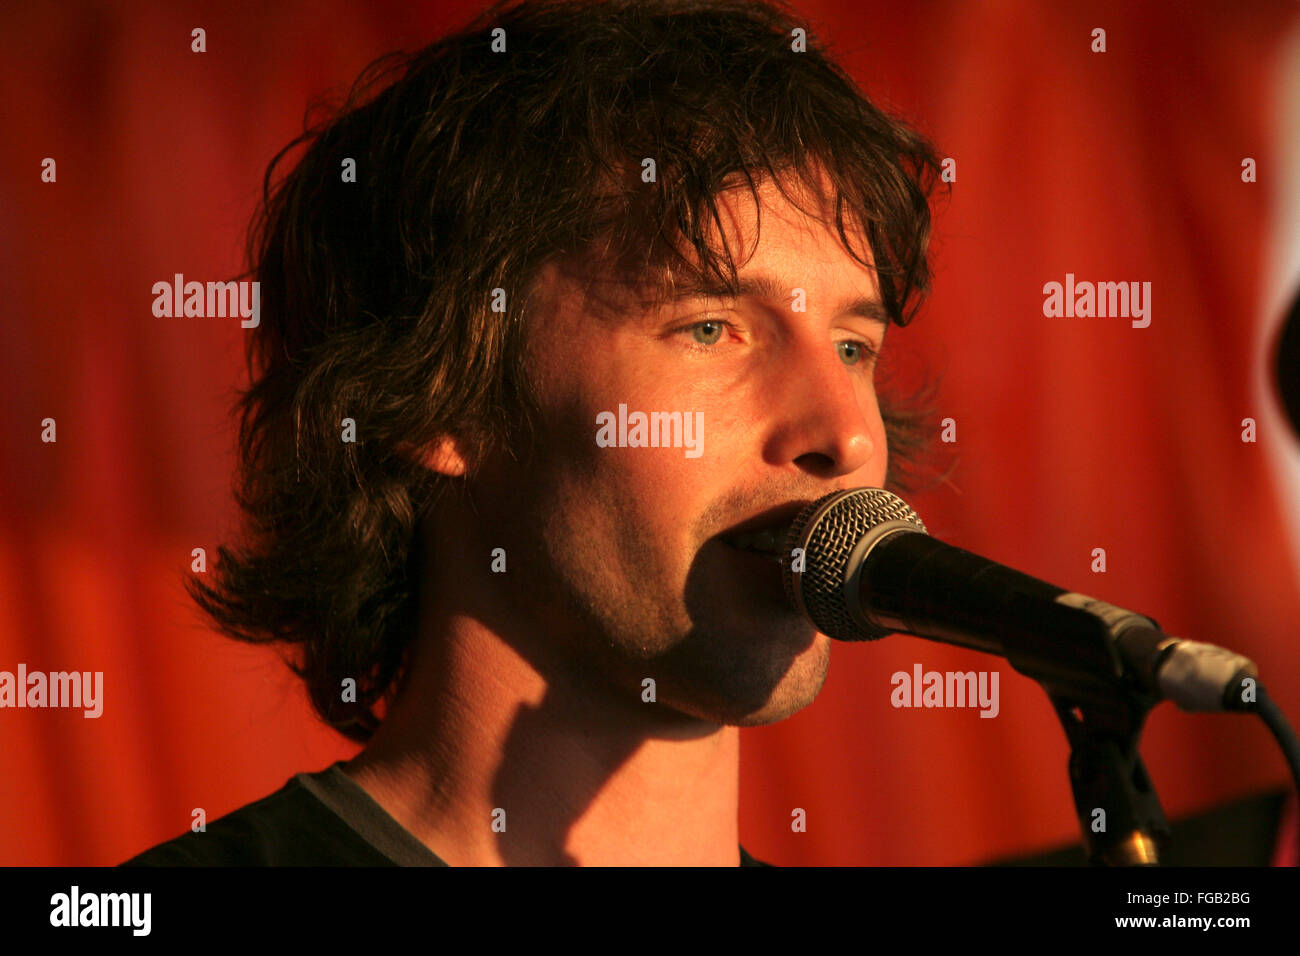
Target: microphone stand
[(1117, 807), (1102, 705)]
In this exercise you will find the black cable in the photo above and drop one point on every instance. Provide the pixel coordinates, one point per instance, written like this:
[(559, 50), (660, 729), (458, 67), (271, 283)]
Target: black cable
[(1281, 729)]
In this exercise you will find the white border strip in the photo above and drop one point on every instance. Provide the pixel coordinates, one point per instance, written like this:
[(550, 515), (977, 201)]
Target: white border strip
[(1282, 281)]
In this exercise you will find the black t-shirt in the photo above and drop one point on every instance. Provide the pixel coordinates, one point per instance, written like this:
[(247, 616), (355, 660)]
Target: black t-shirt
[(316, 819)]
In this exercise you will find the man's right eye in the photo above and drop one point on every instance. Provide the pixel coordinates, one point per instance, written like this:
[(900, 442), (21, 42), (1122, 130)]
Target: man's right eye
[(706, 333)]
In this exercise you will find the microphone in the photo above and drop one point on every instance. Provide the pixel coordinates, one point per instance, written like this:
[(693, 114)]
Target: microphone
[(863, 566)]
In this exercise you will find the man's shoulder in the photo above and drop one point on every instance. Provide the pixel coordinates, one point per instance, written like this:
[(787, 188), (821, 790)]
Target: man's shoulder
[(313, 820), (747, 860), (290, 827)]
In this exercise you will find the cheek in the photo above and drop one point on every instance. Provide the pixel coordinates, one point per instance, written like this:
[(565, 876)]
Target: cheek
[(600, 458), (609, 467), (661, 486), (879, 464)]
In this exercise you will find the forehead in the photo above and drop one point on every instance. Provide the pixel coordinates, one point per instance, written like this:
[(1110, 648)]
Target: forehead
[(785, 231), (777, 240)]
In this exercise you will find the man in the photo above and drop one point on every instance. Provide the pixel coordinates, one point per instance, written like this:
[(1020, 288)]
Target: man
[(599, 337)]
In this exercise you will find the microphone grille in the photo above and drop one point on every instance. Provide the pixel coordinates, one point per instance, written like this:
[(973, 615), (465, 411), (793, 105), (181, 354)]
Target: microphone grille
[(828, 531)]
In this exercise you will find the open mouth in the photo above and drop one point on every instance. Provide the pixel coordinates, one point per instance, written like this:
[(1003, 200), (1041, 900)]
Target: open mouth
[(767, 542), (765, 534)]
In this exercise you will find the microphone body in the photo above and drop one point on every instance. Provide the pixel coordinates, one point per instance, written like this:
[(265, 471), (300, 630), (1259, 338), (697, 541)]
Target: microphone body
[(864, 567), (915, 584)]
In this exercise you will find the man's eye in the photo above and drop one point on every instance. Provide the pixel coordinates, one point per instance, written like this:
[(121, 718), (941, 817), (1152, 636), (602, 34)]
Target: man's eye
[(709, 332), (852, 351)]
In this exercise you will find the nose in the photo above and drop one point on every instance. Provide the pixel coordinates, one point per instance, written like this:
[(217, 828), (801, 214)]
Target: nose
[(826, 419)]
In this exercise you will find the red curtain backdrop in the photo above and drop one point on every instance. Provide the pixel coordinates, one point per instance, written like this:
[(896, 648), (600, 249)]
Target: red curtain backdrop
[(1072, 433)]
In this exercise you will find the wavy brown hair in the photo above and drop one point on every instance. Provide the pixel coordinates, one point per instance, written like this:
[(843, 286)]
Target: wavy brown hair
[(473, 168)]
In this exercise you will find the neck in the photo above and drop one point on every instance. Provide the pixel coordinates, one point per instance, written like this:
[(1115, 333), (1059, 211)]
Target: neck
[(490, 756)]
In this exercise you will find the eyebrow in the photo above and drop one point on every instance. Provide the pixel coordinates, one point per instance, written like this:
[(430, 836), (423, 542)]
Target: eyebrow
[(765, 287)]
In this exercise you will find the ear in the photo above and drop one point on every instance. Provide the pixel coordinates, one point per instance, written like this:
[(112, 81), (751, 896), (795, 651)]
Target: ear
[(446, 456)]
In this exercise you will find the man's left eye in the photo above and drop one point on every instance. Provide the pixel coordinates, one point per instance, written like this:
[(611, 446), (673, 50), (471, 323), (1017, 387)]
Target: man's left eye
[(852, 351)]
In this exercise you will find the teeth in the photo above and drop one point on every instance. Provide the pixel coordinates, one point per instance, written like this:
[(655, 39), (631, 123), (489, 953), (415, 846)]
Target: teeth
[(756, 541)]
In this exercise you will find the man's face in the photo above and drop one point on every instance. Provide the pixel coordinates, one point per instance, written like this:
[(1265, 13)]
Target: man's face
[(616, 553)]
